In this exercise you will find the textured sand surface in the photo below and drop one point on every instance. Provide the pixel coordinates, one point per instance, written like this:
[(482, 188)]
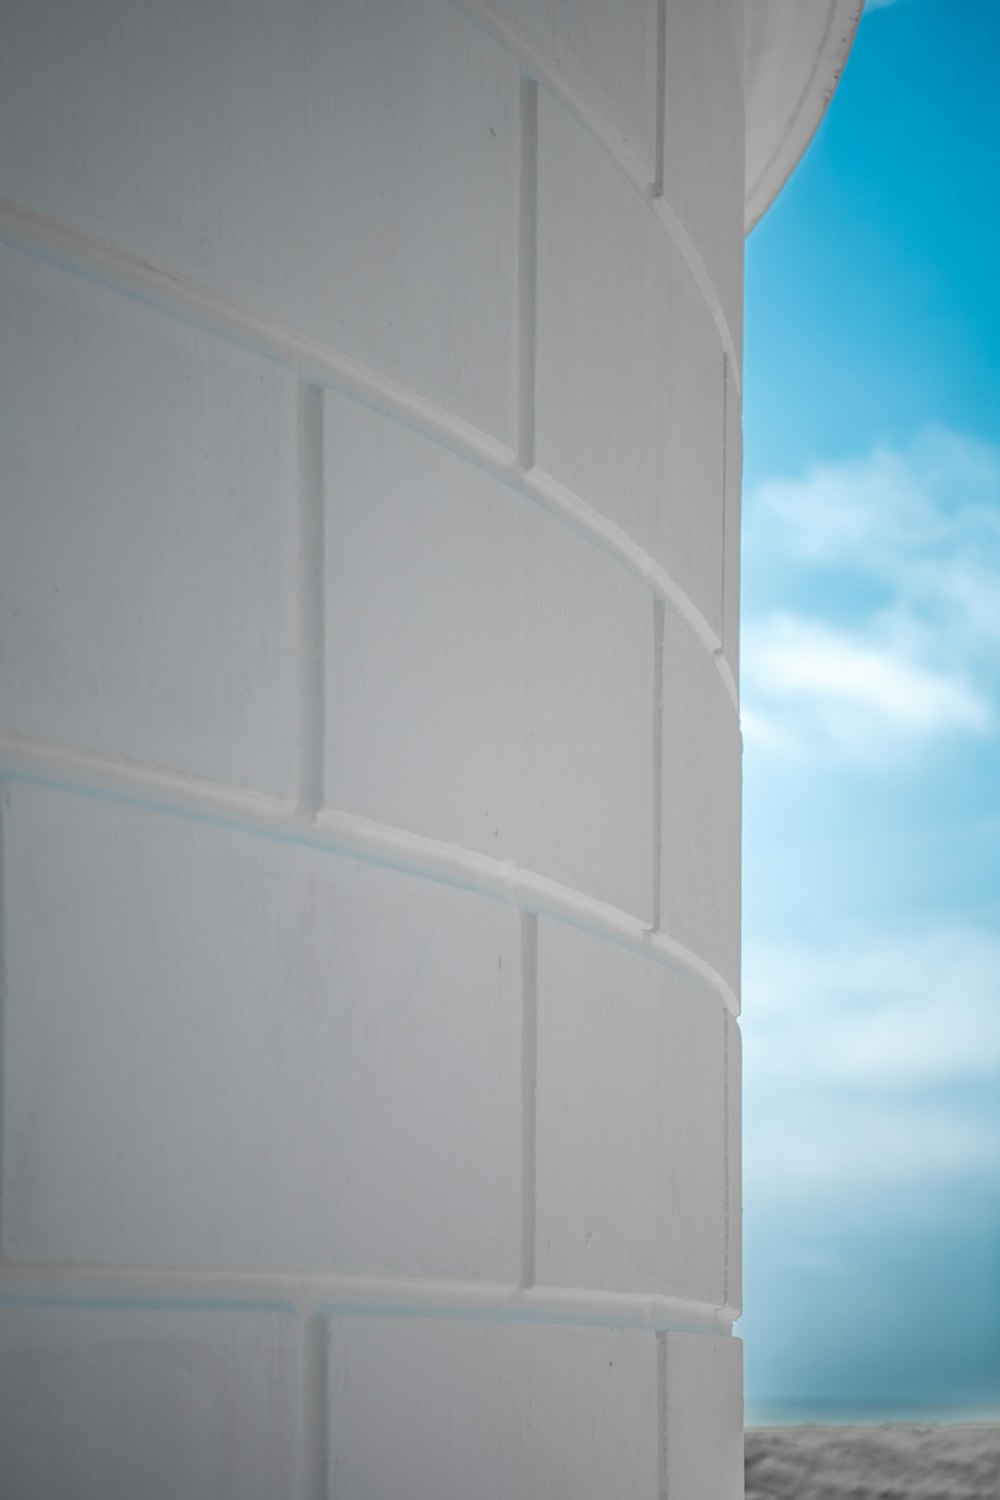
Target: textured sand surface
[(898, 1462)]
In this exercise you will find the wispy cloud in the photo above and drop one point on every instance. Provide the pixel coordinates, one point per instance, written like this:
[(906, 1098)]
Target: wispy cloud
[(849, 688), (900, 552), (896, 1011), (842, 1145), (870, 1062)]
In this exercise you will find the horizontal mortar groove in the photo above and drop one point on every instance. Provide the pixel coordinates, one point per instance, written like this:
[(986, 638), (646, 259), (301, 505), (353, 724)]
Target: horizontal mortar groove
[(534, 64), (306, 1292), (84, 772), (320, 365)]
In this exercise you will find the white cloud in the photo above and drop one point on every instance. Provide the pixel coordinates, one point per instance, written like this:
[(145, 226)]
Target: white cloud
[(894, 1011), (903, 551), (861, 1148), (883, 511), (849, 688), (870, 1062)]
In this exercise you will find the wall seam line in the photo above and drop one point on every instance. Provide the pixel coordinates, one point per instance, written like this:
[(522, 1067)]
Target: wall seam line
[(529, 1095), (314, 1395), (678, 233), (662, 1417), (527, 272), (659, 706), (85, 773), (309, 1293), (723, 570), (4, 975), (659, 145), (311, 624), (726, 1163)]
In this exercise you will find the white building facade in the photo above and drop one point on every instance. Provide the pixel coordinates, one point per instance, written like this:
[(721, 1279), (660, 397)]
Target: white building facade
[(369, 740)]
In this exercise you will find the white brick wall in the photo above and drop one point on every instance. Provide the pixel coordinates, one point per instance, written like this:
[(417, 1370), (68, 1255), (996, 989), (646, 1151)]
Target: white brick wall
[(368, 751), (631, 1156)]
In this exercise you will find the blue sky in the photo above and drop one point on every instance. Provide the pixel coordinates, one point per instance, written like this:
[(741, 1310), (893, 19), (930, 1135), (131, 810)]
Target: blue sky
[(871, 700)]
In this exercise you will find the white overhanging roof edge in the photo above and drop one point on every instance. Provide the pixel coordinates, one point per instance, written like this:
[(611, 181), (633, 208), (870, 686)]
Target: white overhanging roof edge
[(795, 52)]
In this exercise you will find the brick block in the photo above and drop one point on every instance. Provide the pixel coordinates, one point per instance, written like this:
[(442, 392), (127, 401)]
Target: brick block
[(700, 888), (350, 169), (169, 1405), (702, 1392), (490, 672), (225, 1050), (624, 417), (630, 1132), (147, 535), (429, 1408)]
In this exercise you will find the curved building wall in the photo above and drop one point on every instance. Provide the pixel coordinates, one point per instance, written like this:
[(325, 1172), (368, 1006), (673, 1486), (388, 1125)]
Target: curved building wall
[(369, 551)]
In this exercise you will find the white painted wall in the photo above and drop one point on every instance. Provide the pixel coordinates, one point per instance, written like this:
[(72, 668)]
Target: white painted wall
[(369, 750)]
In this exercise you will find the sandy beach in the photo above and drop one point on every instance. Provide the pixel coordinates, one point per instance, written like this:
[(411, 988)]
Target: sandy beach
[(894, 1462)]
